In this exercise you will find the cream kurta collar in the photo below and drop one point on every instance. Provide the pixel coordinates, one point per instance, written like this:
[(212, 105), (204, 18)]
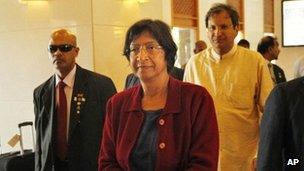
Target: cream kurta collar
[(217, 57)]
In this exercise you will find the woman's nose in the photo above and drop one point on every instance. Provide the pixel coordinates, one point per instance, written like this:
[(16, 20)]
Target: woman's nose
[(143, 54)]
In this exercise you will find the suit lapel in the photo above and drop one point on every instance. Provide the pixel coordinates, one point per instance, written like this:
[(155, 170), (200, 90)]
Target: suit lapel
[(48, 98), (79, 97), (302, 86)]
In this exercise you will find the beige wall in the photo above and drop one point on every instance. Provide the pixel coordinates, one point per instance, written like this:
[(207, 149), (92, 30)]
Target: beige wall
[(254, 24), (111, 19)]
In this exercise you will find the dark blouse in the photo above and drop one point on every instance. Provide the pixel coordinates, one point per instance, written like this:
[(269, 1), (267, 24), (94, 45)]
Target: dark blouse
[(143, 155)]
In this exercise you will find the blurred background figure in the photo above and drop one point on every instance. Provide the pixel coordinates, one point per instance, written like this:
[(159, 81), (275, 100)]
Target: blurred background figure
[(199, 46), (269, 48), (281, 134), (299, 68), (244, 43)]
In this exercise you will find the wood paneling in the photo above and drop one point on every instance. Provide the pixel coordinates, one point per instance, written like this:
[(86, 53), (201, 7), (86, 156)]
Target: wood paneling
[(239, 6), (268, 16), (185, 14)]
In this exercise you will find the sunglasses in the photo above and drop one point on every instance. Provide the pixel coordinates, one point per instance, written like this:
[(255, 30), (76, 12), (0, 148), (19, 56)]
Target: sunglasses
[(62, 48)]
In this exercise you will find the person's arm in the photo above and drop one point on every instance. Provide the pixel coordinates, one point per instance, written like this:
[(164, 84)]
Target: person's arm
[(203, 154), (272, 132), (264, 85), (107, 155), (188, 73), (38, 142)]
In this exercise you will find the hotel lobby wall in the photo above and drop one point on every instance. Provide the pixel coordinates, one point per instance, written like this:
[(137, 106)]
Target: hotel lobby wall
[(24, 61), (253, 24), (111, 19)]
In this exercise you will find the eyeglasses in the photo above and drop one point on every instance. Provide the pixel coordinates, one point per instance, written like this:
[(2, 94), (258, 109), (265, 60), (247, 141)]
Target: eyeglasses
[(62, 48), (222, 28), (150, 48)]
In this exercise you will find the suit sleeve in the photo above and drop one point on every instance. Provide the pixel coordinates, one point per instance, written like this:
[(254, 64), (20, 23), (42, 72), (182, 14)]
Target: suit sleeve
[(37, 148), (272, 132), (107, 156), (203, 154)]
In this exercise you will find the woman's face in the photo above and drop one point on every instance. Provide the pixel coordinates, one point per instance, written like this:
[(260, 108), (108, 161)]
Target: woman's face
[(147, 57)]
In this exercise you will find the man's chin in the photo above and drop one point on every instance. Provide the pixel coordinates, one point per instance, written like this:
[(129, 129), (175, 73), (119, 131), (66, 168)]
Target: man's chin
[(58, 64), (59, 68)]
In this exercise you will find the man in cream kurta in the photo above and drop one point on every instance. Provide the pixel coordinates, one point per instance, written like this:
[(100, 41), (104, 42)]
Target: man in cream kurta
[(239, 82)]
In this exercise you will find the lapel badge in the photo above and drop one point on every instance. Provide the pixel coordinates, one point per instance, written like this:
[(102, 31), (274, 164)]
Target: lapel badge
[(79, 99)]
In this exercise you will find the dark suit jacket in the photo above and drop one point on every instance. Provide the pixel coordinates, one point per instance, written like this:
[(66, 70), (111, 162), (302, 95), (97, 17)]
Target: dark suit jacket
[(279, 74), (85, 128), (132, 79), (282, 128)]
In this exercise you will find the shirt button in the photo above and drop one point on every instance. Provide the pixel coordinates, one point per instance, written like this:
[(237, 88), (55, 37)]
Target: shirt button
[(161, 121), (162, 145)]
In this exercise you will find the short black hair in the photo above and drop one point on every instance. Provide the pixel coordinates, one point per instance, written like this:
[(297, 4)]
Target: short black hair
[(161, 33), (244, 42), (218, 8), (265, 43)]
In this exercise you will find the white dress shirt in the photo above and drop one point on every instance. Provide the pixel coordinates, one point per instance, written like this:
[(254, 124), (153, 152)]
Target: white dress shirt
[(68, 89)]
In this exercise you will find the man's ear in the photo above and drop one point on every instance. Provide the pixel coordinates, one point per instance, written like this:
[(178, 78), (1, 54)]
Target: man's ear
[(270, 49), (236, 29), (77, 50)]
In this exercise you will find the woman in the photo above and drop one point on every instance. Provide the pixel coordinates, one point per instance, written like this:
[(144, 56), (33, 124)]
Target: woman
[(162, 123)]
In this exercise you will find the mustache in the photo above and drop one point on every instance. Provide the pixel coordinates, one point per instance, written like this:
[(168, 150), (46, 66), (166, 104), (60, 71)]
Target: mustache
[(57, 60)]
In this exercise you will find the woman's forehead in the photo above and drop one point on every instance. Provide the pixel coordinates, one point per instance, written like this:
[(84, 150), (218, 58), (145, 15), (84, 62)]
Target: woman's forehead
[(146, 35)]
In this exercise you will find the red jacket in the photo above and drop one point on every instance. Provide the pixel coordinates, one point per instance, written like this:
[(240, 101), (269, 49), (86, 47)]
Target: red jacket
[(187, 129)]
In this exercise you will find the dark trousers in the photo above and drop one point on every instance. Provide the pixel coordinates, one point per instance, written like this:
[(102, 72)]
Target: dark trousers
[(61, 165)]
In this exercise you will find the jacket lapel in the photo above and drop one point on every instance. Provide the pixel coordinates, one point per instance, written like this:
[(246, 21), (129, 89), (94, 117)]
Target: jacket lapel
[(302, 86), (48, 99), (79, 97)]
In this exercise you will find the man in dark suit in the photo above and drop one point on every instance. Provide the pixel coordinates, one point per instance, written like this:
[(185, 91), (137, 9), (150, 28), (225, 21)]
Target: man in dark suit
[(281, 134), (69, 110), (269, 48)]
